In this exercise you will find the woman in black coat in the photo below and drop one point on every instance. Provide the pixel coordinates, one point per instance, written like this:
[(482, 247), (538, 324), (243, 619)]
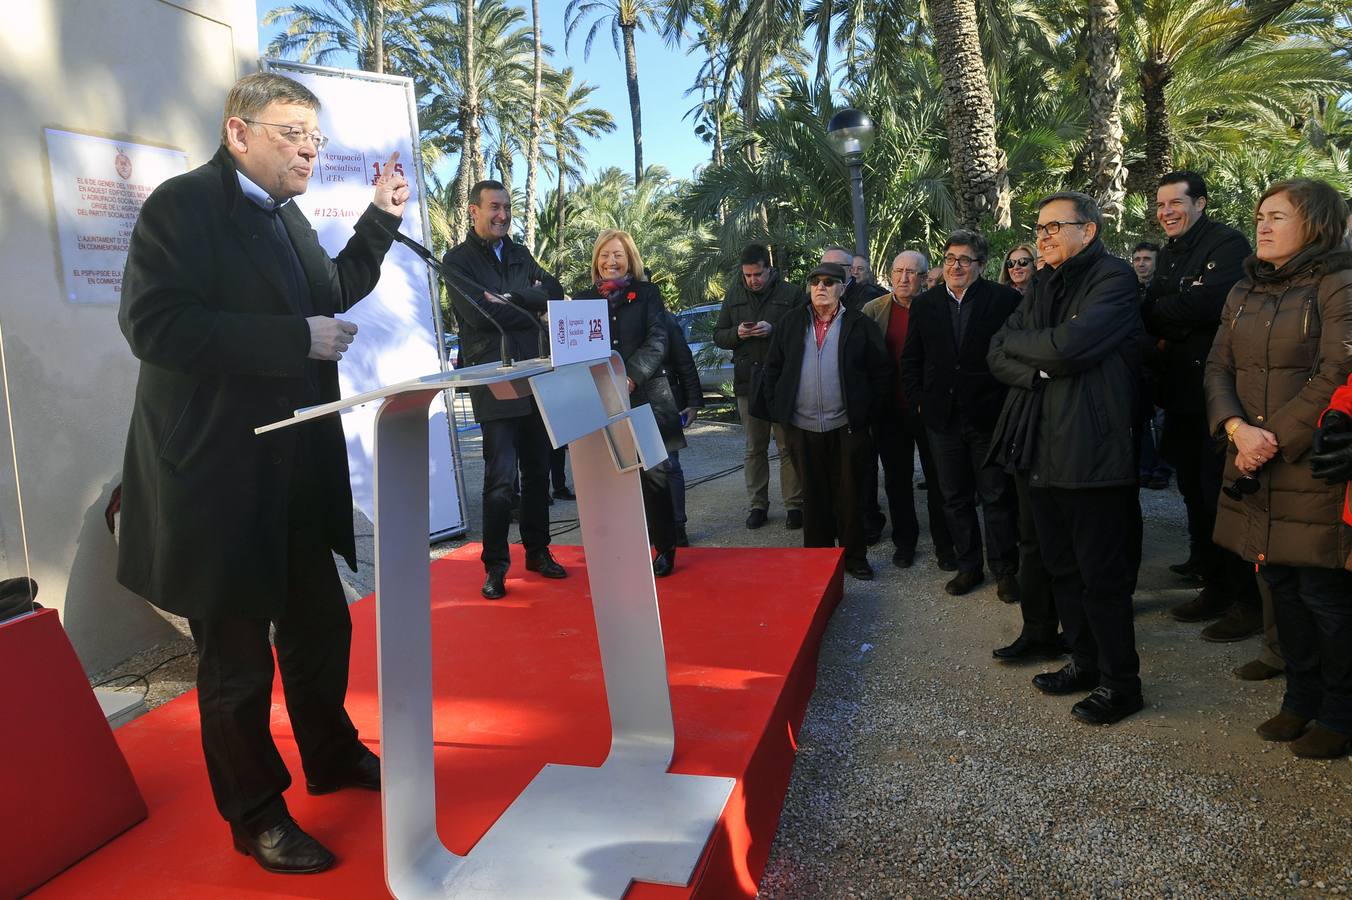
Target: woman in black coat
[(638, 332)]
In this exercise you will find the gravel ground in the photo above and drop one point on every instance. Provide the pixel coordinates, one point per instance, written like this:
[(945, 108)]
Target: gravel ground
[(927, 770)]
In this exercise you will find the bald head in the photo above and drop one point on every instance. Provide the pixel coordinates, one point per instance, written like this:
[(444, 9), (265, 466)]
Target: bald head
[(839, 256), (907, 275)]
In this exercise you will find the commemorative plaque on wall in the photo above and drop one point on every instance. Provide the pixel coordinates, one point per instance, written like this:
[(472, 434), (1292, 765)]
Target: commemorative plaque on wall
[(98, 186)]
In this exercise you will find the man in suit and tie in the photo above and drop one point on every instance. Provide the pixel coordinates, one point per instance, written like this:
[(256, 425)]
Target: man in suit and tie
[(228, 301), (944, 371)]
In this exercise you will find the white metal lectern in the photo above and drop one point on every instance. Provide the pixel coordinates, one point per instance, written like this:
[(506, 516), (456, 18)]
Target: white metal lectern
[(574, 831)]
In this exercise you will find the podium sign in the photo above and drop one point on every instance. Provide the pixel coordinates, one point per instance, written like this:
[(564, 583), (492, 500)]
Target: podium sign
[(579, 331)]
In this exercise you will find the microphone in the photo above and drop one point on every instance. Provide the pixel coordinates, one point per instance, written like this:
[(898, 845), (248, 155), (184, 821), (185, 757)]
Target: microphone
[(448, 277)]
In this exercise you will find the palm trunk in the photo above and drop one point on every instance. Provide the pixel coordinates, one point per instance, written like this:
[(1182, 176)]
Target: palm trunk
[(635, 110), (1159, 153), (503, 161), (558, 209), (378, 36), (533, 148), (473, 135), (1107, 173), (980, 172)]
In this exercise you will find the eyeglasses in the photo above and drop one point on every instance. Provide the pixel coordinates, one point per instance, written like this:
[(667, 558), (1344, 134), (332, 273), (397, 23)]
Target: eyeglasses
[(823, 281), (297, 136), (960, 262), (1022, 262), (902, 273), (1053, 228)]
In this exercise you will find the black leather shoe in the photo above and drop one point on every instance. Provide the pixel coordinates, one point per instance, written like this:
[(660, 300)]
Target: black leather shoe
[(542, 562), (946, 562), (1007, 588), (1105, 706), (495, 587), (903, 558), (1027, 648), (564, 493), (860, 569), (682, 539), (284, 849), (964, 582), (665, 563), (756, 518), (365, 774), (1191, 568), (1066, 680), (793, 519)]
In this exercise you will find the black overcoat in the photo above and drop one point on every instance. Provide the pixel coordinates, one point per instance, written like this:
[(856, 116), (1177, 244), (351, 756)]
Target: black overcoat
[(223, 346), (866, 374), (940, 377)]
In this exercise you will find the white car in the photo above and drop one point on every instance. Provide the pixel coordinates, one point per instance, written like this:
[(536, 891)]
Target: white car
[(715, 363)]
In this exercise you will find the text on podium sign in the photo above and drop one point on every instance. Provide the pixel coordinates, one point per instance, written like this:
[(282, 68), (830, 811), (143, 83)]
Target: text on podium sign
[(579, 330)]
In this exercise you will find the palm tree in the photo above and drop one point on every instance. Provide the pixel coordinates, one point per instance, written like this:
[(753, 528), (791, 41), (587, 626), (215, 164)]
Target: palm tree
[(980, 174), (373, 32), (568, 119), (536, 125), (459, 95), (1108, 174), (1222, 73), (624, 18)]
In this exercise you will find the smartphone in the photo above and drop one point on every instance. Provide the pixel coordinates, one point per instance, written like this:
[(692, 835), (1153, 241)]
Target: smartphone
[(748, 324)]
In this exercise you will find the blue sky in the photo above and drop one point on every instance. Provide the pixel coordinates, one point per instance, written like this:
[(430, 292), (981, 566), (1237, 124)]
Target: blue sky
[(664, 74)]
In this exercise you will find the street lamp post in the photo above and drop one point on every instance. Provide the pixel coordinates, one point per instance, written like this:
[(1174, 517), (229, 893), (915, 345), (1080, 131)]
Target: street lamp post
[(850, 133)]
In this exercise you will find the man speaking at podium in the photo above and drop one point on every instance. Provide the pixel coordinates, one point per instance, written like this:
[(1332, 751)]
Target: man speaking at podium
[(228, 300)]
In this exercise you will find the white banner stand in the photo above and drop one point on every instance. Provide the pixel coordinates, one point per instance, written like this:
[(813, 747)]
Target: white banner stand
[(575, 831)]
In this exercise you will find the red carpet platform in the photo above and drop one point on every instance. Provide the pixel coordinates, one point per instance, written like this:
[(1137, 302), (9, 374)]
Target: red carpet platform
[(518, 684)]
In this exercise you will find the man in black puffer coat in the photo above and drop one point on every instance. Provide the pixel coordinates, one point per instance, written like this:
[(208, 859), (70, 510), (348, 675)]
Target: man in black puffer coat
[(1195, 271), (1071, 355)]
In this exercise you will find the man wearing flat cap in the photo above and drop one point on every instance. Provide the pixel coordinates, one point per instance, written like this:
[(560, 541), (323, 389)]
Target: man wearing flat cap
[(827, 374)]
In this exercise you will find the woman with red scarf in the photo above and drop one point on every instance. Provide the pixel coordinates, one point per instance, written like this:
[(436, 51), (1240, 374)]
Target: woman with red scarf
[(638, 333)]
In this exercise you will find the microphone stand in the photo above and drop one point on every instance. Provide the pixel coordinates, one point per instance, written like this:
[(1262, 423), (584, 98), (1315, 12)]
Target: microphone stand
[(448, 278)]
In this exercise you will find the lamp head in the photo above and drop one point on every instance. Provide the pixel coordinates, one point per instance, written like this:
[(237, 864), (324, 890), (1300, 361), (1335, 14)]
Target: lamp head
[(850, 132)]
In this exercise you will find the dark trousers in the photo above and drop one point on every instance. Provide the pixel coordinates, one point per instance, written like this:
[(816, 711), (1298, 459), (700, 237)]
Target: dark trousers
[(1152, 464), (676, 479), (1201, 471), (1314, 618), (959, 460), (557, 475), (1037, 602), (1091, 545), (234, 689), (831, 466), (897, 439), (508, 444), (657, 508)]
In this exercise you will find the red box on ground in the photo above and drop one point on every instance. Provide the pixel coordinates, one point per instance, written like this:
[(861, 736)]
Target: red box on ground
[(65, 789), (517, 684)]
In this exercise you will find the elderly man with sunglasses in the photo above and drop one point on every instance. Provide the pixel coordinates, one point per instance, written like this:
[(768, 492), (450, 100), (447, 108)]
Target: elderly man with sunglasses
[(944, 373), (827, 376)]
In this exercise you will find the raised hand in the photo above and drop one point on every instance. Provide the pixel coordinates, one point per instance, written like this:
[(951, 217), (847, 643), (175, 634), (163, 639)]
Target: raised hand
[(391, 187)]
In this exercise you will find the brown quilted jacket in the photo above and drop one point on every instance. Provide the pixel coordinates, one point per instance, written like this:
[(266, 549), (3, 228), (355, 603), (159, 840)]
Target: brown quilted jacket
[(1284, 345)]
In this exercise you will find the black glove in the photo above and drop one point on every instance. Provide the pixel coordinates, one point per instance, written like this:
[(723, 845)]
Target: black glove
[(1331, 458)]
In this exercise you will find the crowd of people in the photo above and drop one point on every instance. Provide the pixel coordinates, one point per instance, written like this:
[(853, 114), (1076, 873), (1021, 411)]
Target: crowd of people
[(1039, 404), (1033, 403)]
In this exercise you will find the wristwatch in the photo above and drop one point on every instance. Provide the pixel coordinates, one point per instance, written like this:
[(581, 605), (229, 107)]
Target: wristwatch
[(1231, 429)]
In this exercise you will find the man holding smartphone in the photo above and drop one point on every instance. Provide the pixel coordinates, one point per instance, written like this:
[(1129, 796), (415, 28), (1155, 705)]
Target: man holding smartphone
[(756, 300)]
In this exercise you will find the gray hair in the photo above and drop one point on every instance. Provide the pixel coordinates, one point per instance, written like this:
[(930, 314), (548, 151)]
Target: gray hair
[(254, 93), (849, 254), (922, 263), (1086, 207)]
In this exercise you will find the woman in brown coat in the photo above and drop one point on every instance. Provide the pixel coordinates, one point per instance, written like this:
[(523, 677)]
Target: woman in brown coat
[(1282, 348)]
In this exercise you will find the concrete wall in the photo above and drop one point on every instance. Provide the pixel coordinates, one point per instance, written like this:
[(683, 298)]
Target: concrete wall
[(148, 71)]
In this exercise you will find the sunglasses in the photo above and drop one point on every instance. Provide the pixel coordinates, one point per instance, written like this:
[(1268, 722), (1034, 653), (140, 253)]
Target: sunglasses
[(1242, 487), (824, 281), (1022, 262)]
